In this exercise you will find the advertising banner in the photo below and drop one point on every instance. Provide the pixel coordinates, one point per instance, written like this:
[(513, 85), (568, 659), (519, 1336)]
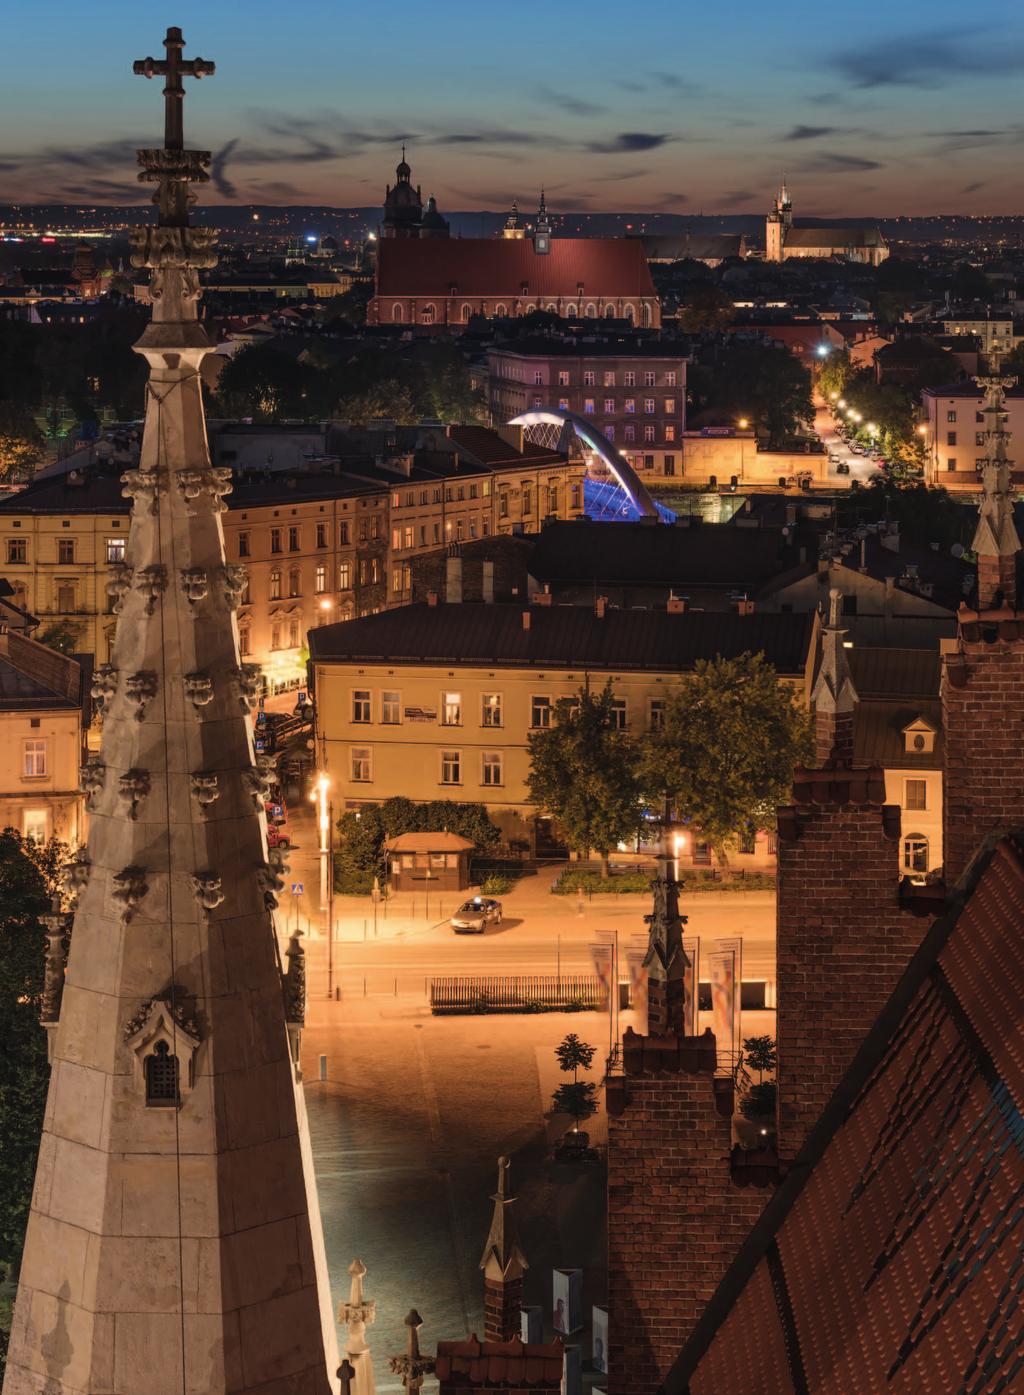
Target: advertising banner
[(603, 958), (726, 963), (691, 948), (637, 987)]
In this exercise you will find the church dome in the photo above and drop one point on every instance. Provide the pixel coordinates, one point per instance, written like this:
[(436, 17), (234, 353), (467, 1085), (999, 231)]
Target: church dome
[(431, 217)]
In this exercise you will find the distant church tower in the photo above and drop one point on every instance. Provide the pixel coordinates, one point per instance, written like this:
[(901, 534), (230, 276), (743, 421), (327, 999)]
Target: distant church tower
[(403, 205), (542, 230), (433, 224), (777, 225), (513, 229), (174, 1242)]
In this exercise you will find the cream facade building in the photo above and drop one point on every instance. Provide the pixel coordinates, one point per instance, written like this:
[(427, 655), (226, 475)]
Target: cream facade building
[(41, 721), (438, 701), (953, 428)]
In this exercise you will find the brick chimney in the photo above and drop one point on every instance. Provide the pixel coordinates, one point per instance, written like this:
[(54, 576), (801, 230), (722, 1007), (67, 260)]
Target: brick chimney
[(834, 697), (487, 582), (745, 606), (526, 619), (600, 607), (453, 580), (503, 1265), (541, 597), (677, 605)]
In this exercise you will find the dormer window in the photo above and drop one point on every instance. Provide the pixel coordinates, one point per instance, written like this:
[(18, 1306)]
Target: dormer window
[(919, 737)]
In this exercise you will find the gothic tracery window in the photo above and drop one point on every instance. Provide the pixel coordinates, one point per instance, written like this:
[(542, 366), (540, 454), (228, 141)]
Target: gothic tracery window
[(162, 1081)]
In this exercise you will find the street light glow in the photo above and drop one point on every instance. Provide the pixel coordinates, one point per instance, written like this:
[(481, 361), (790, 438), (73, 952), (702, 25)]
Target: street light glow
[(743, 423)]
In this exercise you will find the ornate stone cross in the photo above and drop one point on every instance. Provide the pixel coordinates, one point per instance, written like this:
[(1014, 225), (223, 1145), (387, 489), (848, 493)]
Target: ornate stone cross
[(173, 68)]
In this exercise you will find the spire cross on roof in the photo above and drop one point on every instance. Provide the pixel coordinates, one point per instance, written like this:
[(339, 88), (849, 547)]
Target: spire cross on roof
[(173, 68)]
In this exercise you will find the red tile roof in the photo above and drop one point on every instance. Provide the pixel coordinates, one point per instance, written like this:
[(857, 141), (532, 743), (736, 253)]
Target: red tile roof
[(491, 266), (475, 1365), (892, 1256)]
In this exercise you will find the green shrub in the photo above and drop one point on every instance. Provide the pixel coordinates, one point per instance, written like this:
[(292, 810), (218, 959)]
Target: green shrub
[(496, 885), (618, 884), (759, 1101)]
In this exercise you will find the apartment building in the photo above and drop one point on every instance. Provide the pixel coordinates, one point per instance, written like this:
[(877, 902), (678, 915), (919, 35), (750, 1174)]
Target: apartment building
[(41, 726), (634, 391), (954, 434), (436, 701)]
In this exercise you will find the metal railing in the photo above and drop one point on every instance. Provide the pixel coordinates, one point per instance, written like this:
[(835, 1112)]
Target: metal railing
[(515, 993)]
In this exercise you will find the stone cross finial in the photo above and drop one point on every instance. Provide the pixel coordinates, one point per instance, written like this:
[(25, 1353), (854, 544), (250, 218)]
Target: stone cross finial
[(173, 68), (346, 1375), (357, 1314)]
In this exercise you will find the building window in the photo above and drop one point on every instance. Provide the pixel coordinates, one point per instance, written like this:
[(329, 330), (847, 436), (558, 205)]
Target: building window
[(503, 505), (491, 772), (648, 378), (951, 463), (66, 602), (293, 539), (552, 498), (915, 794), (162, 1079), (588, 378), (362, 764), (656, 714), (669, 465), (390, 708), (629, 432), (649, 435), (619, 715), (563, 404), (588, 406), (294, 582), (915, 853), (243, 546), (629, 379), (748, 840), (275, 635), (950, 438), (649, 406), (951, 416), (344, 576), (361, 705), (33, 760), (293, 634), (17, 550), (116, 549), (563, 378), (490, 710), (540, 712), (244, 641), (979, 438), (451, 709), (630, 404), (670, 432), (609, 432), (343, 534), (321, 535), (670, 406), (670, 378), (34, 826), (451, 767), (66, 552), (275, 540), (320, 582), (574, 494), (609, 380), (527, 500), (609, 405)]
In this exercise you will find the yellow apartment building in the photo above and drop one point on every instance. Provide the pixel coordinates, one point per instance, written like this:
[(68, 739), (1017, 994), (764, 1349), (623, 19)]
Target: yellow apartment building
[(40, 740), (436, 701)]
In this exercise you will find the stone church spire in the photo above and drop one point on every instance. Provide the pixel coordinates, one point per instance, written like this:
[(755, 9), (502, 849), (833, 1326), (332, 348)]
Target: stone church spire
[(834, 697), (174, 1242), (503, 1264), (665, 960), (995, 538)]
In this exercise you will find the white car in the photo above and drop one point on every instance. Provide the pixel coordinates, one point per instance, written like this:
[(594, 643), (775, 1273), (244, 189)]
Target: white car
[(472, 916)]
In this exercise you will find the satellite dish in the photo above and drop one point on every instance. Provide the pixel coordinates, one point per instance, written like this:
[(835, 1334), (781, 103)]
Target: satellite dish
[(957, 550)]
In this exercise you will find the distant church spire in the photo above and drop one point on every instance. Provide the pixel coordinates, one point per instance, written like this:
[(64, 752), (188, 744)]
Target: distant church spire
[(995, 539)]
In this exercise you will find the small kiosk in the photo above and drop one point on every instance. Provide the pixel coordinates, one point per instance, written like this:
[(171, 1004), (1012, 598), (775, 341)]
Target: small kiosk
[(428, 861)]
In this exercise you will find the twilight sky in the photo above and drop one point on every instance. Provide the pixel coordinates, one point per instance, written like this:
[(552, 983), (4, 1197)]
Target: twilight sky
[(915, 106)]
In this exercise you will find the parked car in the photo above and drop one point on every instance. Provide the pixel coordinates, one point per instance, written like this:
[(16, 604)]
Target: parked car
[(278, 836), (472, 916), (842, 467)]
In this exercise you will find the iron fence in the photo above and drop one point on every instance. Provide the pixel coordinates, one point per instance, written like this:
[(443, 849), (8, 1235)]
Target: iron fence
[(515, 993)]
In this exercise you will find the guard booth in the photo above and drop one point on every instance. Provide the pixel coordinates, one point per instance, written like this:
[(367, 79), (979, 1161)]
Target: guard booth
[(428, 862)]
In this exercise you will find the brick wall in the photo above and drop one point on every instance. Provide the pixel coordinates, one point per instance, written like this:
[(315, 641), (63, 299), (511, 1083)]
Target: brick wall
[(983, 721), (676, 1216), (503, 1302), (843, 939)]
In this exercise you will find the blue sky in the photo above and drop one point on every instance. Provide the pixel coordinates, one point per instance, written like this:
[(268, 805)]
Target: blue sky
[(883, 108)]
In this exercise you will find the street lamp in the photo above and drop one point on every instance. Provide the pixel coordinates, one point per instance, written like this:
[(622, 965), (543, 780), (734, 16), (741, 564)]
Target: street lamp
[(833, 397), (841, 402), (743, 423)]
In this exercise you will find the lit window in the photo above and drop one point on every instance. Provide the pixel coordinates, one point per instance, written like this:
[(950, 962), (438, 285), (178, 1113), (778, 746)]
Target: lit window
[(609, 405), (670, 378), (609, 380), (344, 576), (17, 550), (451, 767), (293, 634), (320, 584), (490, 710), (563, 404), (361, 705), (244, 641), (33, 757), (491, 772), (451, 709), (670, 406), (116, 548), (649, 406), (66, 551), (630, 404), (915, 795), (588, 378), (649, 434), (670, 432), (390, 708), (362, 764), (588, 405), (915, 854), (540, 712), (563, 379), (629, 379), (294, 582)]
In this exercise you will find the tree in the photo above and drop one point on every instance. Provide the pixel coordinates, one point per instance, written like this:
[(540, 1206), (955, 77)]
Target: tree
[(21, 442), (24, 1073), (576, 1097), (62, 635), (264, 382), (760, 1054), (725, 755), (582, 773), (759, 381), (363, 833), (705, 310)]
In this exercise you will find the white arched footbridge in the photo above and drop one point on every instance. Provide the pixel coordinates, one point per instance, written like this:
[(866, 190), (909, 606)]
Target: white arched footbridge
[(594, 440)]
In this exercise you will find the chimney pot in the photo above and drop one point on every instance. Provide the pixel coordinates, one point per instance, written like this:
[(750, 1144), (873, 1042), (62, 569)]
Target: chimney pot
[(746, 606), (526, 619), (676, 605), (431, 598), (600, 607)]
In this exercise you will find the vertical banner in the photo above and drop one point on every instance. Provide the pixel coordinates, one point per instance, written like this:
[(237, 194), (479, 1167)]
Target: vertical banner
[(691, 984), (726, 961), (603, 957), (635, 956)]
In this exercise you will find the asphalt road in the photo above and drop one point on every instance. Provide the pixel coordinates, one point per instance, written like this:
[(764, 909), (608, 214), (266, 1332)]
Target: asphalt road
[(862, 467)]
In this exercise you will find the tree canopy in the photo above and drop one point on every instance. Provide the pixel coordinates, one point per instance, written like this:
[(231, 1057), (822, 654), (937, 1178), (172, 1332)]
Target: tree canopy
[(764, 383), (725, 755), (582, 773), (363, 833)]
